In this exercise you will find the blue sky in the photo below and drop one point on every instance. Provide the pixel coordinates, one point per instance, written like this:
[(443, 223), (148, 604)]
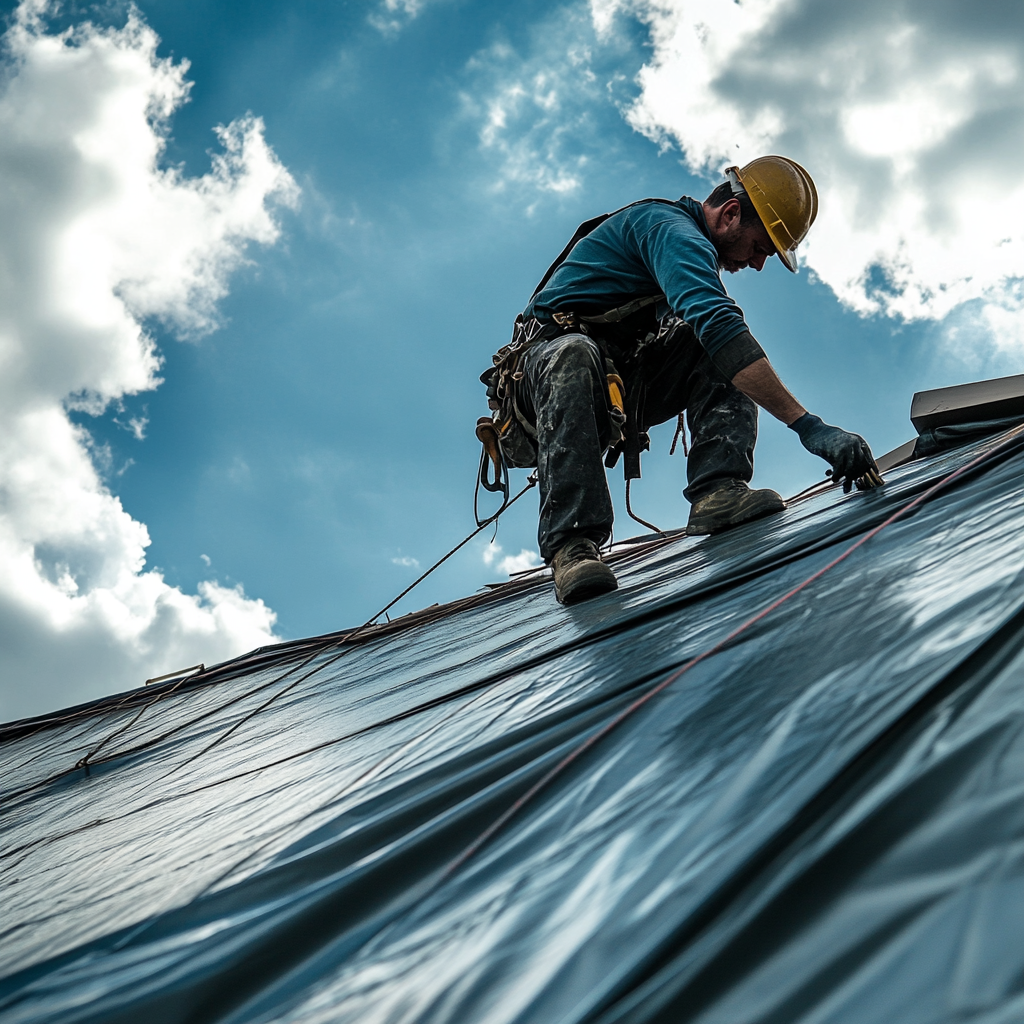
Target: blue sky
[(316, 445)]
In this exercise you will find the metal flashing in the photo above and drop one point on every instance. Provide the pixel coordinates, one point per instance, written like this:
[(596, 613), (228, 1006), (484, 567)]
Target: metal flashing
[(897, 457), (181, 673), (965, 403)]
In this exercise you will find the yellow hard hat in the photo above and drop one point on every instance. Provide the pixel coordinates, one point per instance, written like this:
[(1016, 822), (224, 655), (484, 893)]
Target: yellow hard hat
[(785, 198)]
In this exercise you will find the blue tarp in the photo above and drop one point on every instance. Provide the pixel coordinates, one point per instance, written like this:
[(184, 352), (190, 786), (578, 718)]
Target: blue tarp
[(823, 822)]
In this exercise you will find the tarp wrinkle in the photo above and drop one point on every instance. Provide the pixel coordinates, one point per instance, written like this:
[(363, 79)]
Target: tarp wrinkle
[(823, 822)]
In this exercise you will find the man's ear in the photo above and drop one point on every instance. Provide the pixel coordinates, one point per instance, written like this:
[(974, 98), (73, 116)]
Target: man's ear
[(731, 214)]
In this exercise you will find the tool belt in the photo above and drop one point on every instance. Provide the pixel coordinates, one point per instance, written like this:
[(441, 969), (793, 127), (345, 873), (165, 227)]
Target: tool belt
[(503, 443), (501, 377)]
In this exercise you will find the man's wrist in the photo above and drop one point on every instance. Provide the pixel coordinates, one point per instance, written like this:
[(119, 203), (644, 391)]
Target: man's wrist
[(805, 422)]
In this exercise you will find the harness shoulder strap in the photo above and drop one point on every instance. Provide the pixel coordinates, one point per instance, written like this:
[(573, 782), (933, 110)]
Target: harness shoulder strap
[(581, 232)]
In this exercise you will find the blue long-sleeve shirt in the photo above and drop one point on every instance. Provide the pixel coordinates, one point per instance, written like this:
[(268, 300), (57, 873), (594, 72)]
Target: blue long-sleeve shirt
[(647, 249)]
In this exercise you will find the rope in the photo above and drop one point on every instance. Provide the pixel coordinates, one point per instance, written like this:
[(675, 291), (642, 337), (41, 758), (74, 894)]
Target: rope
[(596, 737), (347, 639), (498, 485), (609, 727), (531, 481), (86, 761), (680, 434), (632, 515)]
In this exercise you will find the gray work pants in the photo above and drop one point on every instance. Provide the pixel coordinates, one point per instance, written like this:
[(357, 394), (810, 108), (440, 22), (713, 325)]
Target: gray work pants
[(564, 392)]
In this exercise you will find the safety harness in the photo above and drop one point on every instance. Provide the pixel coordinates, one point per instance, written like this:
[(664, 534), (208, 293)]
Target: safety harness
[(506, 371)]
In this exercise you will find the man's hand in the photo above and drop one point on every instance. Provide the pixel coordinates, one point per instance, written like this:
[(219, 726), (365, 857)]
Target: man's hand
[(848, 454)]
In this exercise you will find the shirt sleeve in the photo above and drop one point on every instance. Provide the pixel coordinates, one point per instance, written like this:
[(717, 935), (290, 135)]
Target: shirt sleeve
[(685, 265)]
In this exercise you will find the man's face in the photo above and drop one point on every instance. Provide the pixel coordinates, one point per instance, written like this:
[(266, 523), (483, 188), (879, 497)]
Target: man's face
[(749, 247), (738, 246)]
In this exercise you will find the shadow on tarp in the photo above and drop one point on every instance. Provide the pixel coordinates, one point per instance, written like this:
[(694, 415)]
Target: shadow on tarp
[(824, 821)]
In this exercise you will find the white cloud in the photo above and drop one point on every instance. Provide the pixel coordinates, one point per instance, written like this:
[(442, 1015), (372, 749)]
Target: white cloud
[(510, 564), (393, 15), (407, 561), (535, 111), (96, 238), (525, 560), (135, 425), (909, 116)]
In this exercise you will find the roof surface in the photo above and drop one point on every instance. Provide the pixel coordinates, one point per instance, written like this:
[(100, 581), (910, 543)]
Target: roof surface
[(823, 821)]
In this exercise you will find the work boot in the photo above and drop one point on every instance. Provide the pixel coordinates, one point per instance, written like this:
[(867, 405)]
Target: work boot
[(579, 572), (729, 506)]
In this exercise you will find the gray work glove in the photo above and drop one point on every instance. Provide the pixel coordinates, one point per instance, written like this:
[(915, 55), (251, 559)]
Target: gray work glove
[(848, 454)]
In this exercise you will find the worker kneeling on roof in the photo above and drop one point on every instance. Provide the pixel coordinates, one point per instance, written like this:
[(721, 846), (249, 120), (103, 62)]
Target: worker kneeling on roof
[(631, 327)]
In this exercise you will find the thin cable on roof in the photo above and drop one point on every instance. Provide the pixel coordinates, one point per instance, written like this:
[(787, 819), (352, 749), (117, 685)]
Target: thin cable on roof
[(87, 760), (342, 639), (596, 737)]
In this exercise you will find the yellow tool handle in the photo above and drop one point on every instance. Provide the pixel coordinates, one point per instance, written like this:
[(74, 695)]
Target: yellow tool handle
[(617, 392)]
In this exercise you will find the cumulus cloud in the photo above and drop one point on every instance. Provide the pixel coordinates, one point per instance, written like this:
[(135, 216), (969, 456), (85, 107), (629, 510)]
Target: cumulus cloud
[(909, 116), (510, 564), (97, 238), (406, 561)]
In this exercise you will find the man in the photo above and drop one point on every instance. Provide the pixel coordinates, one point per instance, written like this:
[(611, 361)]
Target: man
[(637, 298)]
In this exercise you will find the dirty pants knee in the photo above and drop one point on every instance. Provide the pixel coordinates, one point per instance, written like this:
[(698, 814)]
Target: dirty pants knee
[(723, 432), (673, 373), (564, 392)]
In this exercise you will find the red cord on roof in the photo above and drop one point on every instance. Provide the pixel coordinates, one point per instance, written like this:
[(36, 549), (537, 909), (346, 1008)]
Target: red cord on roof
[(596, 737)]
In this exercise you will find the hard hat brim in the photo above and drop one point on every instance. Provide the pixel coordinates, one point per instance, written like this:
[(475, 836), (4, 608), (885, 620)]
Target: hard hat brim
[(785, 244)]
